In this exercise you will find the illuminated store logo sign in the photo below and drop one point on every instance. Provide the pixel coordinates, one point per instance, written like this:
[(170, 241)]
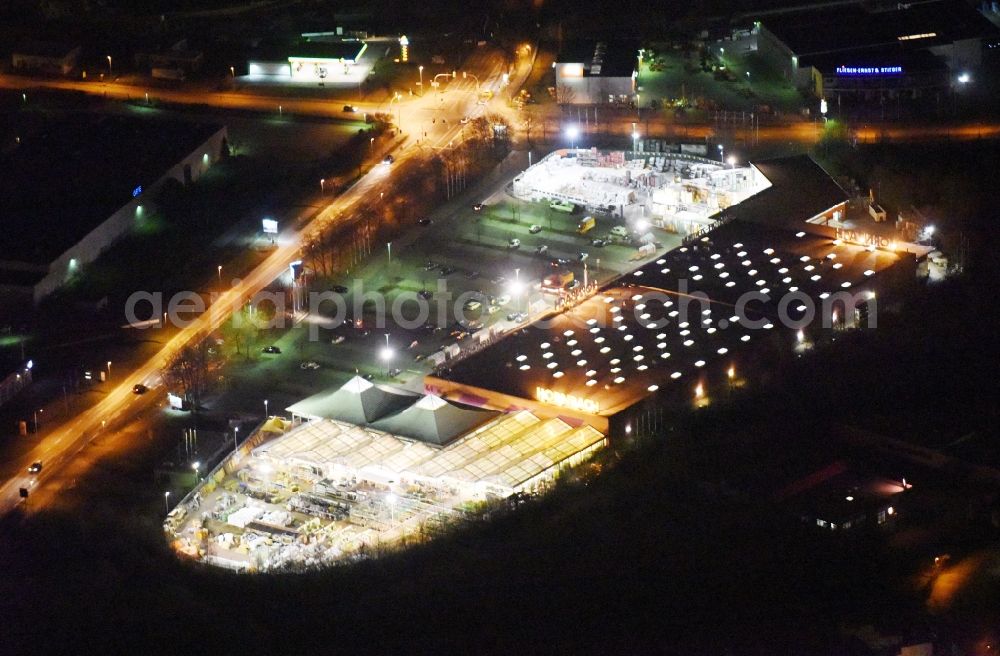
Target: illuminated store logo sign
[(864, 238), (136, 191), (869, 70), (566, 400)]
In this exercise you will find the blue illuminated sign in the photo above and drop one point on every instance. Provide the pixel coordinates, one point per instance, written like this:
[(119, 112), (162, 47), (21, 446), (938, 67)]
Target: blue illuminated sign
[(136, 191), (869, 70)]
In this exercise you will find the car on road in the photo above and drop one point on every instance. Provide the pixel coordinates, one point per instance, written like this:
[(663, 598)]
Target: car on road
[(493, 309), (517, 317), (430, 266), (139, 388), (448, 270), (535, 229), (572, 284), (35, 467), (478, 207), (309, 366), (270, 349), (557, 262), (582, 257), (350, 109), (514, 244), (425, 222), (598, 243), (339, 339), (465, 119), (619, 231), (542, 250), (388, 159), (339, 289)]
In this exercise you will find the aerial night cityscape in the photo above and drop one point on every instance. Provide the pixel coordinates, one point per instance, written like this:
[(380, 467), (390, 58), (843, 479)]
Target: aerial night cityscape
[(513, 326)]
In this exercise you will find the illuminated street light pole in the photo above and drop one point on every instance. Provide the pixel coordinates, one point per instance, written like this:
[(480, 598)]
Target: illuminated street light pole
[(109, 369), (572, 132), (265, 409), (232, 71), (219, 269), (110, 71), (387, 355), (421, 69), (166, 501), (722, 153), (236, 432), (322, 184), (36, 418)]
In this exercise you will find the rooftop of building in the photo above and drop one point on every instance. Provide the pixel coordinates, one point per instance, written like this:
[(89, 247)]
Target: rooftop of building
[(71, 172), (348, 49), (607, 58), (635, 337), (846, 28), (54, 49), (800, 189)]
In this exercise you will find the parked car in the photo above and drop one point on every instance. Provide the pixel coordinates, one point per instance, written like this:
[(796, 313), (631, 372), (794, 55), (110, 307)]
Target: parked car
[(598, 243), (309, 366), (430, 266), (535, 229), (514, 244), (339, 339), (388, 159), (542, 250), (471, 275), (478, 207), (424, 222), (582, 257), (517, 317), (447, 270), (471, 305), (270, 349), (340, 289), (139, 388), (35, 467), (350, 109), (503, 300), (493, 309)]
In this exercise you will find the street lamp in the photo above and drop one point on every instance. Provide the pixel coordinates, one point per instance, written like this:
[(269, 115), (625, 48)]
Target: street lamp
[(390, 500), (109, 369), (36, 418), (731, 161), (236, 432), (265, 409), (196, 465), (219, 270), (964, 78), (421, 69), (573, 132), (386, 354), (322, 184), (232, 71), (166, 501), (110, 73), (722, 153)]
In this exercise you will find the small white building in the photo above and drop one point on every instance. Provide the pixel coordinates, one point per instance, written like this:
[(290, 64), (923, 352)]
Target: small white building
[(597, 73)]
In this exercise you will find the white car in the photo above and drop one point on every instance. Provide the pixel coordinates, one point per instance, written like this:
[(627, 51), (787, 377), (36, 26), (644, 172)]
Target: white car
[(514, 243), (504, 299)]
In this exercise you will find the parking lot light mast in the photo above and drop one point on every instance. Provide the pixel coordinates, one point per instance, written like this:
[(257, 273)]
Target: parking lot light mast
[(722, 153), (166, 501), (110, 72), (265, 409)]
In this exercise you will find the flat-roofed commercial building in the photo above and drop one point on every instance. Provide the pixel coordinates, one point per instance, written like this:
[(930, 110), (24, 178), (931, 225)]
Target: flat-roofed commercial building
[(857, 48), (74, 184), (48, 57), (597, 73)]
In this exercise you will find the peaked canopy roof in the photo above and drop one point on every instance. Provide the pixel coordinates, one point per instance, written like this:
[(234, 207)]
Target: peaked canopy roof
[(426, 418), (435, 420), (358, 401)]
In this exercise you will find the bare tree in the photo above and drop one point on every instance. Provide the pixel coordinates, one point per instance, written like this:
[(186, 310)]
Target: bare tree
[(189, 370)]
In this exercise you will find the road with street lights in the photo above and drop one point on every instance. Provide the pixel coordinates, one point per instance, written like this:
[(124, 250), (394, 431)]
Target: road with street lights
[(449, 102)]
